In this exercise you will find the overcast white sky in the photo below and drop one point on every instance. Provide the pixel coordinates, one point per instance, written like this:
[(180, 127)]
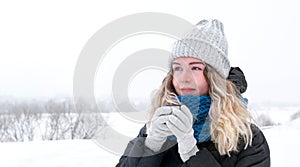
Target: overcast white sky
[(40, 42)]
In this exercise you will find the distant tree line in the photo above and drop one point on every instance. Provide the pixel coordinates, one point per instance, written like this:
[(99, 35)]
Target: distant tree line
[(60, 119), (50, 120)]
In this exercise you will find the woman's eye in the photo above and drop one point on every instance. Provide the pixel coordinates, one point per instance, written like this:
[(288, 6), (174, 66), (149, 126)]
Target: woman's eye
[(177, 69), (196, 68)]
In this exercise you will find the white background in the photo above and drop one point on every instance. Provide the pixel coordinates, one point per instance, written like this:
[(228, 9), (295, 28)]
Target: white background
[(40, 42)]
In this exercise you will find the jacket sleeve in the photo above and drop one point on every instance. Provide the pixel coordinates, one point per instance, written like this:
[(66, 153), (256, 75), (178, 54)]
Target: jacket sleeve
[(258, 154), (137, 154), (203, 157)]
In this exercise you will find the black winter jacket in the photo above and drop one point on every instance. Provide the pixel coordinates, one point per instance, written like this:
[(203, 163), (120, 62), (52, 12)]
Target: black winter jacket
[(257, 155)]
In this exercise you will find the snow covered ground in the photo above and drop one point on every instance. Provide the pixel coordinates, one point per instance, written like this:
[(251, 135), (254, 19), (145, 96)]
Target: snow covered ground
[(284, 144), (67, 153), (283, 141)]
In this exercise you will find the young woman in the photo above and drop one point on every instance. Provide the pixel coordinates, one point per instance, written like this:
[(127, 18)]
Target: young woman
[(197, 116)]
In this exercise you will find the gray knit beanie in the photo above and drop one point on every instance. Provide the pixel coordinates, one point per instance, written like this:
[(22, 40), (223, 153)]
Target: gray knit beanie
[(206, 42)]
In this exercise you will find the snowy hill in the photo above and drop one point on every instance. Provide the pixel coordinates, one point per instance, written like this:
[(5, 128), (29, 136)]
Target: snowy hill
[(283, 141)]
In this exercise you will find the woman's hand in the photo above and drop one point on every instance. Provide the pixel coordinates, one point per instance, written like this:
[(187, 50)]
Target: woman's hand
[(158, 131), (180, 124)]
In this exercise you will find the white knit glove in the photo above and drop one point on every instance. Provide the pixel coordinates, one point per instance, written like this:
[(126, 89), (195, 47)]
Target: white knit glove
[(180, 123), (158, 131)]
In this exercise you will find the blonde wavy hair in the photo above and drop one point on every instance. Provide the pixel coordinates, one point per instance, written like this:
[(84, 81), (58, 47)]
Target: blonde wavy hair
[(230, 120)]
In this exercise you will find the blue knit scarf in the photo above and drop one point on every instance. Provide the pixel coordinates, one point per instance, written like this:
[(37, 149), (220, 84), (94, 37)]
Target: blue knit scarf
[(199, 107)]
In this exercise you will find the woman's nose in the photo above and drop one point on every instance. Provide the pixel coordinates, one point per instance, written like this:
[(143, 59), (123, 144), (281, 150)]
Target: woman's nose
[(186, 76)]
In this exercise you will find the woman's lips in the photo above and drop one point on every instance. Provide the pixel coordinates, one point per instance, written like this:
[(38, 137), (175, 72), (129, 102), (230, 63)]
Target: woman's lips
[(187, 90)]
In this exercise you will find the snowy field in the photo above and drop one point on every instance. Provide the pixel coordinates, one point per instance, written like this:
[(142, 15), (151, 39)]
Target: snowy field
[(283, 141)]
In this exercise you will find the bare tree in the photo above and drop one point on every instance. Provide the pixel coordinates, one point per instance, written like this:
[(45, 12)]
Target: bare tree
[(51, 120), (56, 125)]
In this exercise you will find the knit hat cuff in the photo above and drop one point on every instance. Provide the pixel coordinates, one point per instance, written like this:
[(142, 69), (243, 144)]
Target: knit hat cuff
[(203, 51)]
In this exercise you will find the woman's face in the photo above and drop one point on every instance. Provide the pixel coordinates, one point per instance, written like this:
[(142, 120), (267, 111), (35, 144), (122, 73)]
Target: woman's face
[(188, 76)]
